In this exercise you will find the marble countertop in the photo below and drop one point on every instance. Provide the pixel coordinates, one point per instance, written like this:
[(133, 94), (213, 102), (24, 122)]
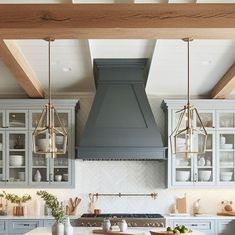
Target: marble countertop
[(33, 217), (87, 231), (199, 217)]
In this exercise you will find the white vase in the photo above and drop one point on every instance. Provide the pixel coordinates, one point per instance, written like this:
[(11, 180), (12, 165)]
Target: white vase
[(57, 229), (68, 229), (37, 176), (37, 207)]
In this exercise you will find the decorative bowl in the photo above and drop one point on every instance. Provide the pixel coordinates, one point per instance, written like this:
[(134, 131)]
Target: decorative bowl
[(182, 175), (16, 160), (204, 175)]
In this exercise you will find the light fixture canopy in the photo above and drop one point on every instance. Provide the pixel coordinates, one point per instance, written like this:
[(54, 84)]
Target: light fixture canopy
[(189, 136), (50, 135)]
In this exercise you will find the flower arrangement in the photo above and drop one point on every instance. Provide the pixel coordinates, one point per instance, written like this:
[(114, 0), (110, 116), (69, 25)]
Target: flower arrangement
[(52, 202), (13, 198)]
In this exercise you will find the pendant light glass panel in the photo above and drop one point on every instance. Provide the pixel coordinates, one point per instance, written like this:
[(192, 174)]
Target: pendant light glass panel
[(187, 138)]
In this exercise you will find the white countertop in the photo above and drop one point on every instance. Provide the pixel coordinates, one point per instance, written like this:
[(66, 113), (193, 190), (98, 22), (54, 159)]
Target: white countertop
[(199, 217), (87, 231), (33, 217)]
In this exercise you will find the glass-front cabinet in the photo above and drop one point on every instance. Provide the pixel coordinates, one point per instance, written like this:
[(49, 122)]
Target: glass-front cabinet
[(45, 169), (19, 166), (216, 167)]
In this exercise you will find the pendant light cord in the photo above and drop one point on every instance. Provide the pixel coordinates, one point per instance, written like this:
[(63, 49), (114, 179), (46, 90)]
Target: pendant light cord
[(188, 95), (49, 70)]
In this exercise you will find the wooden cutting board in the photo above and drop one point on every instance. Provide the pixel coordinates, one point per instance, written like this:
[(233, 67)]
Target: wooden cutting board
[(110, 232), (181, 204), (227, 213)]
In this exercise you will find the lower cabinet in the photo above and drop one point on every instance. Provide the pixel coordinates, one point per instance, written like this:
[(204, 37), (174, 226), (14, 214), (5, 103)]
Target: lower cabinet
[(3, 226), (226, 227), (23, 226), (205, 226)]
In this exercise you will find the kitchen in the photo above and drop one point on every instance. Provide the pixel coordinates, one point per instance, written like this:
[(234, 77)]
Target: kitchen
[(131, 176)]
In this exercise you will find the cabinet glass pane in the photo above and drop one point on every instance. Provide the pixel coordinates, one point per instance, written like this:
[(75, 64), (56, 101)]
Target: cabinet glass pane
[(17, 157), (1, 158), (35, 119), (183, 168), (226, 157), (63, 118), (61, 168), (226, 120), (207, 120), (17, 120), (1, 119)]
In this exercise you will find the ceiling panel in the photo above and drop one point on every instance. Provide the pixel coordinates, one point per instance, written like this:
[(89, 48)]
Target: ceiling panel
[(209, 60), (71, 68), (8, 86), (130, 48)]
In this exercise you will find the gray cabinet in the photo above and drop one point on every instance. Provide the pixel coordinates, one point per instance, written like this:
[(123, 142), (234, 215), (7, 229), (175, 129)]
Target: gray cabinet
[(23, 226), (18, 163), (3, 226)]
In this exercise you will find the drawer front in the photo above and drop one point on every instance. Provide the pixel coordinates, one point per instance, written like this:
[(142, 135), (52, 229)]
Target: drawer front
[(226, 227), (205, 226), (22, 226), (3, 227), (48, 223)]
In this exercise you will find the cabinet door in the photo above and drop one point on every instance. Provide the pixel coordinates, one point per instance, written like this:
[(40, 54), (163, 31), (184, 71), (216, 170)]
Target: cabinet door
[(226, 162), (2, 158), (17, 160), (225, 119), (17, 119), (2, 120), (204, 164), (225, 227), (39, 166), (23, 226), (3, 226)]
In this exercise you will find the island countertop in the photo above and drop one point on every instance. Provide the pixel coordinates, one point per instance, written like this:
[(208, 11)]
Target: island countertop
[(88, 231)]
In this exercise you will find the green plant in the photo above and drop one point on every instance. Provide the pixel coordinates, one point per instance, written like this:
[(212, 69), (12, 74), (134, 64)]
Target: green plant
[(13, 198), (53, 203)]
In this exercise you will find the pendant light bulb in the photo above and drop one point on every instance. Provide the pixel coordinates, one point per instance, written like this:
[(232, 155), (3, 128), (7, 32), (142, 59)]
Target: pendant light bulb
[(189, 136)]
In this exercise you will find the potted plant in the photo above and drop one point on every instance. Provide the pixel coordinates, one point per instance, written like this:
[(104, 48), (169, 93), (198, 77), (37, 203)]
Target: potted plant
[(56, 210), (13, 198)]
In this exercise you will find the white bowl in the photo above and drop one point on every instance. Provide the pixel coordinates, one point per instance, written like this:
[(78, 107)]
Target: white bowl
[(182, 175), (204, 175), (16, 160), (58, 178), (226, 176)]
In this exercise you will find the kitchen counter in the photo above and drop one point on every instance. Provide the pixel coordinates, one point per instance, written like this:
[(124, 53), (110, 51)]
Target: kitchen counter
[(87, 231), (33, 217), (199, 217)]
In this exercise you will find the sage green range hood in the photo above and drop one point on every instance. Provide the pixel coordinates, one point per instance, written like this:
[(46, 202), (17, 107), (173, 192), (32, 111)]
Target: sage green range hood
[(121, 125)]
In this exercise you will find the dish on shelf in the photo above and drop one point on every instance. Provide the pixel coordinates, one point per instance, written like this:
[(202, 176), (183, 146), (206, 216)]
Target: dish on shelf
[(182, 175), (16, 160), (17, 124), (58, 178), (65, 177), (226, 176), (204, 175), (226, 146)]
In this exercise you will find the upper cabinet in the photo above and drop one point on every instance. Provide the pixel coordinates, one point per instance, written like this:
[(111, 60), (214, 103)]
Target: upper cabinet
[(19, 165), (216, 167)]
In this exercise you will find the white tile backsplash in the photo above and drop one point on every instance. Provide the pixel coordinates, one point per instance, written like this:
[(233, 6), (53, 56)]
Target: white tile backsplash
[(130, 177)]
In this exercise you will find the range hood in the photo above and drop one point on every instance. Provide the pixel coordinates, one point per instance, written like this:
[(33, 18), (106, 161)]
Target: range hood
[(121, 125)]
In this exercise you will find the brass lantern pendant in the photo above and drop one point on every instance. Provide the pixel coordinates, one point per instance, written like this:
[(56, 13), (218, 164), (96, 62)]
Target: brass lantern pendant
[(50, 135)]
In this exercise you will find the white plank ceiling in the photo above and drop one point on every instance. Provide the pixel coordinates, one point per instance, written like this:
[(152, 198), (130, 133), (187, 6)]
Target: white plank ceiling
[(71, 60)]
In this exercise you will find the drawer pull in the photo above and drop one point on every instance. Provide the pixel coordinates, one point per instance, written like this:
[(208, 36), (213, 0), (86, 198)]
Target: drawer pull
[(194, 225), (26, 225)]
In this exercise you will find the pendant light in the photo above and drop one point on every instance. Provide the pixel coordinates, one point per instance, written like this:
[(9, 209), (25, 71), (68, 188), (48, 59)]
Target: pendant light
[(50, 135), (189, 136)]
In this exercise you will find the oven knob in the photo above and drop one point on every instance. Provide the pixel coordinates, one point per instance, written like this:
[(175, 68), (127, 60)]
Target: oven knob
[(94, 225), (162, 225), (157, 225), (82, 224), (147, 225), (129, 224), (134, 224), (88, 225), (115, 224)]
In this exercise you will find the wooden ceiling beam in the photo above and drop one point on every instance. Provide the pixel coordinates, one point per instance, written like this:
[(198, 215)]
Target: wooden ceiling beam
[(13, 58), (225, 86), (107, 21)]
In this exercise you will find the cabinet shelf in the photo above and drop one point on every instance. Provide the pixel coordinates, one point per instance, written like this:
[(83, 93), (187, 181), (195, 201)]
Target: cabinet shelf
[(39, 166), (15, 167), (205, 167), (61, 167), (228, 167), (183, 167), (16, 150), (226, 150)]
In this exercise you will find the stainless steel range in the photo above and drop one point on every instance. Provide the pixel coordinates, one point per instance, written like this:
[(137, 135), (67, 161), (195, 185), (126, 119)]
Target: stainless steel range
[(133, 220)]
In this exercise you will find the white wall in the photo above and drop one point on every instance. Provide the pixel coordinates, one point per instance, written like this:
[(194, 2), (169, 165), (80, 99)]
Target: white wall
[(130, 177)]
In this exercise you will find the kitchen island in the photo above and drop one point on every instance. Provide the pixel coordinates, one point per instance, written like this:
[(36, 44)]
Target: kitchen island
[(88, 230)]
